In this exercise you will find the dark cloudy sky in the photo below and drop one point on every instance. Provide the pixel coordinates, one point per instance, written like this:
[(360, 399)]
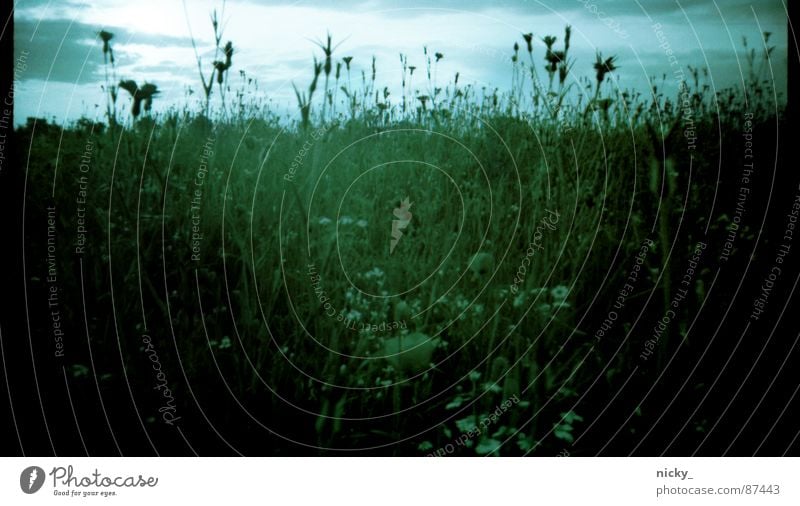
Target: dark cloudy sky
[(273, 41)]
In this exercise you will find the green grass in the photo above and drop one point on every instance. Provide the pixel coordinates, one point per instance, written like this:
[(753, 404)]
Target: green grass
[(481, 173)]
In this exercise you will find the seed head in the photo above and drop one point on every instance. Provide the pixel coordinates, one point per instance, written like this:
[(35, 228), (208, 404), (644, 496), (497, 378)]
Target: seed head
[(604, 66), (529, 41), (106, 38), (228, 51)]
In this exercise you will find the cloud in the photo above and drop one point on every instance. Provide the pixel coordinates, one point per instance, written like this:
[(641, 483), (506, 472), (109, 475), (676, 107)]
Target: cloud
[(733, 10), (68, 51), (58, 50), (274, 40)]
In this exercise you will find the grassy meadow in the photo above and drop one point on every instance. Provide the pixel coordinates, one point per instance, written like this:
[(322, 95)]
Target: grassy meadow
[(250, 257)]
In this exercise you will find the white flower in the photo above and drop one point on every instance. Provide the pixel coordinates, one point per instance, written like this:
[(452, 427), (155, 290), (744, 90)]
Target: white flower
[(324, 220), (559, 293), (362, 223), (354, 315), (345, 220), (374, 273)]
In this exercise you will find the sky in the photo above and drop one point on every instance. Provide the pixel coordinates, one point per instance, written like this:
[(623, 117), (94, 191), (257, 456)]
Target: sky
[(274, 43)]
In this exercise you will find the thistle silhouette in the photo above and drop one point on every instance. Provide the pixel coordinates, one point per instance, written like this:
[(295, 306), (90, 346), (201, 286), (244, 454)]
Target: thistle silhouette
[(140, 95), (404, 218)]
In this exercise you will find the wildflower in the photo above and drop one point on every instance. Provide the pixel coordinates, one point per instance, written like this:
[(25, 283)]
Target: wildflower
[(225, 343), (559, 293), (549, 40), (439, 56), (529, 41), (345, 220), (555, 57), (354, 315), (228, 51), (324, 220), (361, 223), (374, 273), (402, 311), (328, 50), (487, 446), (603, 67), (220, 67), (490, 386), (347, 60), (144, 94), (519, 300), (106, 38), (147, 92), (467, 424)]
